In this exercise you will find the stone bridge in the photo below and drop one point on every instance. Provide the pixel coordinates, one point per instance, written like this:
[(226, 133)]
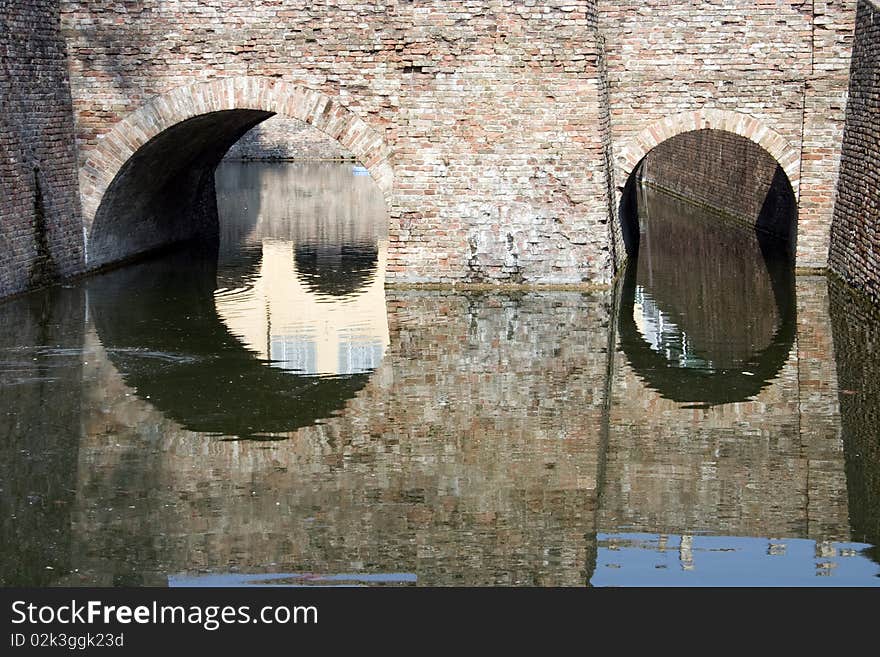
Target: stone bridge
[(500, 132), (491, 126)]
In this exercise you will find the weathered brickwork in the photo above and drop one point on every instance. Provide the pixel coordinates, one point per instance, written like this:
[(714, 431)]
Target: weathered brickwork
[(40, 233), (279, 138), (855, 237), (773, 71), (500, 132), (824, 115), (485, 111), (726, 173)]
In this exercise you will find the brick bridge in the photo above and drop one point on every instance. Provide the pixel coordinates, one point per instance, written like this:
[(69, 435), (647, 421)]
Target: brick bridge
[(501, 133)]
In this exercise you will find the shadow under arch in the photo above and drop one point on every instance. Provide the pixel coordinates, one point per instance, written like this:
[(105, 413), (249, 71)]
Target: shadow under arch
[(773, 207), (171, 347), (164, 194)]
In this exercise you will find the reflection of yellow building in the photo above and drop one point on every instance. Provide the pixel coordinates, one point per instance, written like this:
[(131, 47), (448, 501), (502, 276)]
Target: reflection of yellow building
[(277, 317), (278, 313)]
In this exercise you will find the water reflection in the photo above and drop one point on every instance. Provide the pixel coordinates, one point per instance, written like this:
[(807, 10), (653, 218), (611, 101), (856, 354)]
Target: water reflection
[(507, 439), (670, 560), (173, 349), (481, 451), (294, 328), (451, 463), (856, 327), (40, 411), (293, 579), (707, 313), (198, 336), (315, 303)]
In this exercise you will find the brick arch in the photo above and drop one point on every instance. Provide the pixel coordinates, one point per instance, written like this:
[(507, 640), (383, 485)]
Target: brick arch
[(786, 155), (117, 146)]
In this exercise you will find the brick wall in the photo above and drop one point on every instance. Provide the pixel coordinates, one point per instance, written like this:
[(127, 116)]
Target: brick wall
[(673, 66), (489, 124), (496, 118), (40, 233), (825, 92), (280, 138), (486, 112), (855, 236)]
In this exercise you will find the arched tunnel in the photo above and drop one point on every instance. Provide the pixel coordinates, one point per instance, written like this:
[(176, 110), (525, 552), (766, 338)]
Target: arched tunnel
[(262, 243), (707, 313), (164, 194)]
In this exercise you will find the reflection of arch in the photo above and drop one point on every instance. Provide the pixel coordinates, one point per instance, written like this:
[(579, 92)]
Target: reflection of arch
[(336, 270), (169, 344), (744, 125), (722, 386), (161, 157)]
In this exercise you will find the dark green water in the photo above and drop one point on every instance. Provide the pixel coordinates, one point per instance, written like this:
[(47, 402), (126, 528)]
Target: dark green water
[(275, 415)]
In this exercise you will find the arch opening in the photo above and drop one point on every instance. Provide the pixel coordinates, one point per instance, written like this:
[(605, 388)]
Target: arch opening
[(240, 342), (164, 194), (149, 181), (725, 174), (708, 219), (273, 315)]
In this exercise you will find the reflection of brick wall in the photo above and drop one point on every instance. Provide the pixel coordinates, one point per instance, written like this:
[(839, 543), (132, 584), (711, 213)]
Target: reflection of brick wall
[(855, 239), (768, 466), (470, 457), (682, 255), (304, 202), (857, 349), (40, 395), (280, 138), (819, 412), (40, 233)]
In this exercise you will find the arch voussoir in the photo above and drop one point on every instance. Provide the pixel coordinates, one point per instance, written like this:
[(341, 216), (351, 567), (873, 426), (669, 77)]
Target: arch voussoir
[(651, 136)]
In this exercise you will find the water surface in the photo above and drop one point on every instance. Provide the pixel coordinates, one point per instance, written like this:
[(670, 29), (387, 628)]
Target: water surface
[(272, 415)]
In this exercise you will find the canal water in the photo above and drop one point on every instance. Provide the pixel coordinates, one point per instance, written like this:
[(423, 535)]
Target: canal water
[(273, 414)]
